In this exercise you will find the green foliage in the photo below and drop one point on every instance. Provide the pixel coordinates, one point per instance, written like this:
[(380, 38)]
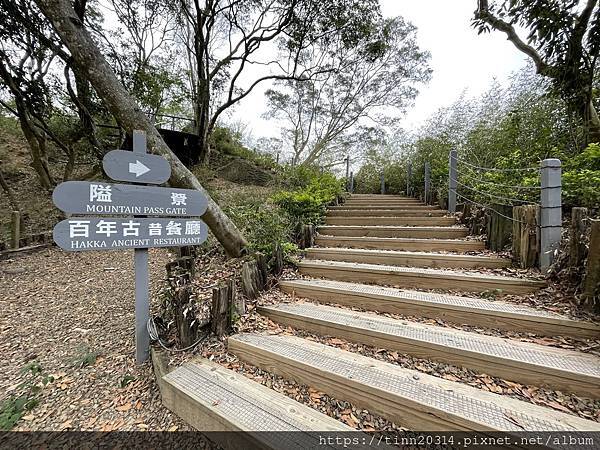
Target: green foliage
[(227, 142), (581, 178), (85, 357), (27, 397), (262, 223), (307, 205), (126, 380)]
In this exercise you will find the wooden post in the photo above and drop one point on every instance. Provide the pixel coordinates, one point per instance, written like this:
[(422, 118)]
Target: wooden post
[(525, 235), (222, 301), (499, 227), (591, 283), (277, 260), (15, 235), (251, 280), (187, 326), (306, 236), (551, 211), (452, 181), (577, 234)]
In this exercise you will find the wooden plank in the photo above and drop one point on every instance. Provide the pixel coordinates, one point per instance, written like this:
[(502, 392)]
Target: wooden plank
[(460, 310), (386, 213), (522, 362), (387, 207), (406, 397), (394, 232), (406, 244), (417, 277), (413, 259), (392, 221), (211, 398)]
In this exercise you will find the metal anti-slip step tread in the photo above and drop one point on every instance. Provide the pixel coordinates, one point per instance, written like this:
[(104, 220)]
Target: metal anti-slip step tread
[(394, 227), (424, 272), (474, 311), (567, 363), (248, 406), (420, 399), (398, 253), (462, 303)]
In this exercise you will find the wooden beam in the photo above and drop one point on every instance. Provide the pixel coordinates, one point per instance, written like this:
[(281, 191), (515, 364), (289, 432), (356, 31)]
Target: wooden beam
[(412, 259), (460, 310), (418, 278), (392, 221), (416, 400), (394, 232), (404, 244)]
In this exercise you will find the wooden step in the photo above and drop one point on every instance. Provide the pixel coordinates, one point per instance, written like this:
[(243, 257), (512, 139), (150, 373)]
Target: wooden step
[(406, 397), (512, 360), (387, 207), (409, 277), (461, 310), (386, 213), (394, 232), (211, 398), (384, 205), (407, 244), (412, 259), (392, 221)]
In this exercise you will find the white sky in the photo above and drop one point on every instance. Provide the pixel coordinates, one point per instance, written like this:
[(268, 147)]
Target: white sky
[(460, 60)]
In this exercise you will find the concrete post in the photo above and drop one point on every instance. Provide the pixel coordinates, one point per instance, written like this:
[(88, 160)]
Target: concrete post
[(452, 181), (382, 184), (352, 182), (427, 183), (550, 212), (348, 173), (408, 177)]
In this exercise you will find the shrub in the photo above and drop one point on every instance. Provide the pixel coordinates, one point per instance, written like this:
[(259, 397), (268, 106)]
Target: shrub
[(308, 205), (262, 223)]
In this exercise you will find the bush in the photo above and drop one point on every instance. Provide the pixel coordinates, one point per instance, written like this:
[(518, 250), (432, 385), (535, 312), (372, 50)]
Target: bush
[(308, 205), (226, 142), (581, 178), (262, 223)]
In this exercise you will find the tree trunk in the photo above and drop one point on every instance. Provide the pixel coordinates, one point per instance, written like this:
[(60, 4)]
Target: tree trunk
[(9, 193), (592, 121), (39, 159), (525, 245), (591, 284), (129, 115), (577, 235)]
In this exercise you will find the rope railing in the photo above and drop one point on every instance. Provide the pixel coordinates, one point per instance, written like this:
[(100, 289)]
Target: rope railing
[(515, 200), (489, 208)]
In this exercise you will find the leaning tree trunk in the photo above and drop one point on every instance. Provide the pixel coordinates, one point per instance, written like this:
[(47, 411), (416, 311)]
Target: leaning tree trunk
[(94, 66)]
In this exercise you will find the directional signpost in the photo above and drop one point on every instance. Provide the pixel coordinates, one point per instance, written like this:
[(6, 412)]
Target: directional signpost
[(131, 229)]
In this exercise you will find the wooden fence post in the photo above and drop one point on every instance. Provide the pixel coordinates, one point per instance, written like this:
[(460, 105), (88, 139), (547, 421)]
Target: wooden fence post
[(592, 276), (15, 235), (525, 236), (499, 227), (577, 233)]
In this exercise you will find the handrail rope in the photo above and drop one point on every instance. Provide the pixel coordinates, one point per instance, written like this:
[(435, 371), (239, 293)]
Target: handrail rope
[(492, 209), (493, 169), (495, 196), (479, 180)]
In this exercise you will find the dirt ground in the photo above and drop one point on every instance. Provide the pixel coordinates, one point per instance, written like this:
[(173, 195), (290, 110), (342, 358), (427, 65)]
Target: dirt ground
[(59, 308)]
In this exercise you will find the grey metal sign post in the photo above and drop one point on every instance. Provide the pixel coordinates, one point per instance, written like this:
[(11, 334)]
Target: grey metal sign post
[(452, 181), (136, 230)]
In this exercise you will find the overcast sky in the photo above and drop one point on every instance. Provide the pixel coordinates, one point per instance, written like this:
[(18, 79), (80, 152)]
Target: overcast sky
[(460, 59)]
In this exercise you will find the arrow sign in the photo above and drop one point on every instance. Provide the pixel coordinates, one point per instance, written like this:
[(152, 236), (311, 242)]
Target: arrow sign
[(122, 165), (86, 233), (138, 168), (83, 197)]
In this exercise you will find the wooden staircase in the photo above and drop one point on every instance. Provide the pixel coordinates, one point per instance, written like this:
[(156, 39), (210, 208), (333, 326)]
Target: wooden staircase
[(385, 255)]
